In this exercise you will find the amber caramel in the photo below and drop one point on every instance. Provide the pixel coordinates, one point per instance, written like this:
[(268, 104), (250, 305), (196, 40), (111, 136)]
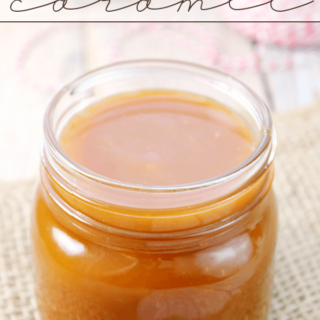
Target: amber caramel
[(210, 260)]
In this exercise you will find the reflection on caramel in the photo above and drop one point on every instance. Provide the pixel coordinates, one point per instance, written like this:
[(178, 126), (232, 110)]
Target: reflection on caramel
[(84, 273), (157, 138), (230, 278)]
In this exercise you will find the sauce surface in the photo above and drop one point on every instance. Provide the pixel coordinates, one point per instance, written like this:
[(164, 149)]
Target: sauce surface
[(157, 138)]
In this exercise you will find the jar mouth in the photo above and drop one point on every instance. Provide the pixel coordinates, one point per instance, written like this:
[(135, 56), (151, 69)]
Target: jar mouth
[(228, 85)]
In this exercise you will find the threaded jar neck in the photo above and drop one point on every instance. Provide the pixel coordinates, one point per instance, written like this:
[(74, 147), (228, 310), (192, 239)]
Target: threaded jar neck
[(168, 212)]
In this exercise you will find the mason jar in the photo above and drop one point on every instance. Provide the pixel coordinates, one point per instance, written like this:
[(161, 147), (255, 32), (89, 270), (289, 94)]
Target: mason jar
[(111, 250)]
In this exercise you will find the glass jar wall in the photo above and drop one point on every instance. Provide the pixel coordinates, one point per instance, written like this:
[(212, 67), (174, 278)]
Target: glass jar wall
[(109, 249)]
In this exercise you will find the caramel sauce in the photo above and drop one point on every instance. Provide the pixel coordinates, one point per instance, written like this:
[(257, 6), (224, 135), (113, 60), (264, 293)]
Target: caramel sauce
[(156, 138)]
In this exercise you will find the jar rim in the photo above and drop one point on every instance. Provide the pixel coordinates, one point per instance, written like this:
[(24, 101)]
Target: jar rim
[(267, 138)]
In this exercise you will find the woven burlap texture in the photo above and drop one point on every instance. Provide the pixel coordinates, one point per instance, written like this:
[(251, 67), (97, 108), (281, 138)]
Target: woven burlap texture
[(296, 293)]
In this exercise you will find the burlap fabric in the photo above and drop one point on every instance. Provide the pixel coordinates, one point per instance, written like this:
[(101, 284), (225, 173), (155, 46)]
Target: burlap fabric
[(296, 293)]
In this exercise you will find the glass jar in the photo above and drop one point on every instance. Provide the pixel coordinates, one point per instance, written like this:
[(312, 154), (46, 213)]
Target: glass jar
[(105, 249)]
